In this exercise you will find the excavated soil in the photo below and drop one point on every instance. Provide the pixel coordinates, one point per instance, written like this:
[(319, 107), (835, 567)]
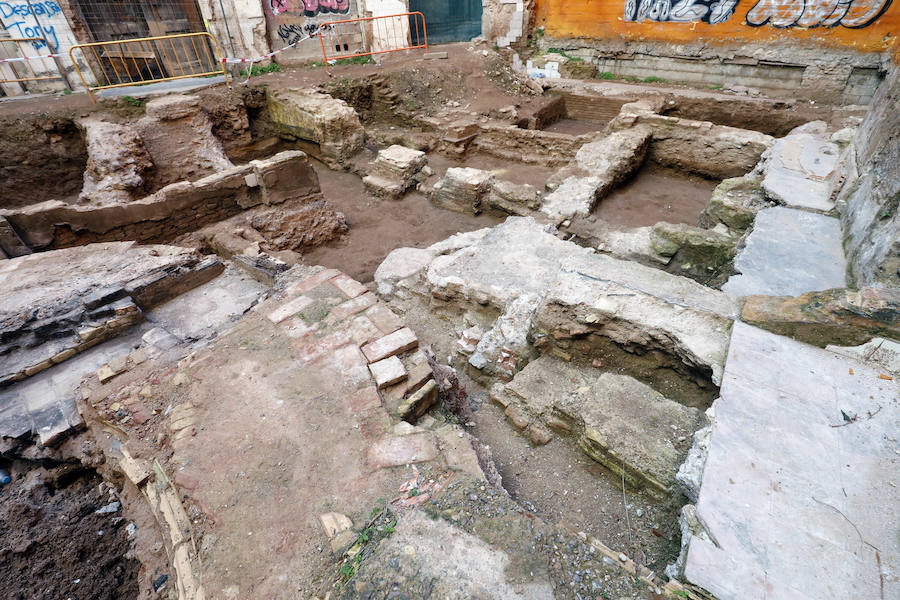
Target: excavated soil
[(656, 194), (40, 159), (54, 545)]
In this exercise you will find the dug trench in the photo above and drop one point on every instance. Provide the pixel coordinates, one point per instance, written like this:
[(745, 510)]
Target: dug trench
[(427, 110)]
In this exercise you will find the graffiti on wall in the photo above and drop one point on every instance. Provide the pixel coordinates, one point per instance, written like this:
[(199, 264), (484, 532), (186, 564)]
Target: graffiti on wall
[(853, 14), (679, 11), (19, 19), (309, 8)]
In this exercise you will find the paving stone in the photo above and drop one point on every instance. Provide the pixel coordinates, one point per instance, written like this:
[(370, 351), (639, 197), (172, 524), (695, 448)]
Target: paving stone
[(388, 371), (402, 450), (362, 330), (800, 171), (364, 400), (384, 318), (791, 488), (351, 307), (301, 287), (394, 343), (289, 309), (350, 287), (788, 253)]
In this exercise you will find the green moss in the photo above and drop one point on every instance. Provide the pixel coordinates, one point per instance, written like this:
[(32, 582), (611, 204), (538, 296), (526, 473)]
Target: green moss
[(606, 75)]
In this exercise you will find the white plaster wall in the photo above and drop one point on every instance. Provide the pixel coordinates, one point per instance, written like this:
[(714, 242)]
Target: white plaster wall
[(246, 23), (44, 19), (389, 33)]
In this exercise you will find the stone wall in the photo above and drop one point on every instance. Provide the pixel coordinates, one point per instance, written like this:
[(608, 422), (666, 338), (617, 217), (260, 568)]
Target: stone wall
[(174, 210), (870, 197), (793, 49)]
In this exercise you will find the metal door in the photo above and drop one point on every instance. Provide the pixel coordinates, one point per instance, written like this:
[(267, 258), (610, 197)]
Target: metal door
[(449, 20)]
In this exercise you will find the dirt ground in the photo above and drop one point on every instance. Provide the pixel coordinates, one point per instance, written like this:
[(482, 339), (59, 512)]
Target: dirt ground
[(562, 485), (54, 544), (657, 194)]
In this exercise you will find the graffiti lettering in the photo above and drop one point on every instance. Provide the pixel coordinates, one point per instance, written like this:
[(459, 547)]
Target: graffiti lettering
[(309, 8), (313, 7), (22, 29), (290, 33), (278, 6), (46, 8), (679, 11), (853, 14)]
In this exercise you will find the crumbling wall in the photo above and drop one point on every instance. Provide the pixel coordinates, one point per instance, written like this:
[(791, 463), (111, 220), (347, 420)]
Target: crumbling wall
[(869, 203), (174, 210), (785, 49)]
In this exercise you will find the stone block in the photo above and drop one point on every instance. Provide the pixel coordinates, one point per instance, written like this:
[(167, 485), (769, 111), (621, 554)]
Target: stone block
[(462, 189), (388, 371), (330, 124), (174, 106), (402, 450), (286, 176), (394, 170), (394, 343), (419, 402)]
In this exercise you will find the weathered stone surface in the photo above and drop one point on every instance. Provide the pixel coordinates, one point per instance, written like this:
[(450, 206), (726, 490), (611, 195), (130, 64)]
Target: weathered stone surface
[(842, 317), (734, 203), (598, 167), (797, 488), (869, 198), (513, 198), (387, 371), (401, 450), (582, 297), (54, 303), (394, 171), (789, 252), (11, 245), (617, 420), (496, 551), (331, 126), (692, 252), (799, 171), (418, 402), (286, 176), (700, 147), (575, 197), (690, 473), (180, 140), (462, 189), (118, 164)]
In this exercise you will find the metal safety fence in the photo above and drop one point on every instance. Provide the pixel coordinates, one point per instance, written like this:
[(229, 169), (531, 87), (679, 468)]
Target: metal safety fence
[(139, 61), (21, 63), (365, 36)]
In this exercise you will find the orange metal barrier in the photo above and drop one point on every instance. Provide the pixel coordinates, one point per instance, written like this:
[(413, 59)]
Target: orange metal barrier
[(372, 35), (149, 60), (24, 63)]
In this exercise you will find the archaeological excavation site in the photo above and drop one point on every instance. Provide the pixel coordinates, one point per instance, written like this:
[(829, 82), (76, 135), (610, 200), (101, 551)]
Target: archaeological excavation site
[(450, 299)]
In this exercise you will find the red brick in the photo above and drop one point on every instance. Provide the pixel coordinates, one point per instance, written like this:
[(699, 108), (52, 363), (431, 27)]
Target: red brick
[(384, 318), (391, 344), (309, 283), (351, 307), (363, 401), (348, 286)]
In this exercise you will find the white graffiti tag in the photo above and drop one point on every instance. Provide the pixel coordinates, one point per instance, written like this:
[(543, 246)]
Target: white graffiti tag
[(853, 14), (679, 11)]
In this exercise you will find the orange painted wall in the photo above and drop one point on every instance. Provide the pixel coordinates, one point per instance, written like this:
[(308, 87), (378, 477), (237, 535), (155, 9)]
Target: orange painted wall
[(602, 19)]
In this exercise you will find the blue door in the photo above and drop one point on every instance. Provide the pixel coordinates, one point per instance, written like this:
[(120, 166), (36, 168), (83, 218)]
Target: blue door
[(449, 20)]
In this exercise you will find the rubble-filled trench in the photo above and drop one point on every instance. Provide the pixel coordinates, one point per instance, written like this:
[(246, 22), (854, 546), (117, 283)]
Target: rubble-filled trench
[(566, 262)]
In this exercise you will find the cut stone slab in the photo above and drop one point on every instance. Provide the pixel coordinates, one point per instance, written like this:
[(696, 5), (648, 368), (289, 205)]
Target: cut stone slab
[(734, 203), (575, 197), (618, 421), (788, 253), (796, 495), (394, 171), (388, 371), (843, 317), (403, 450), (800, 171), (394, 343), (462, 189), (331, 125), (513, 198)]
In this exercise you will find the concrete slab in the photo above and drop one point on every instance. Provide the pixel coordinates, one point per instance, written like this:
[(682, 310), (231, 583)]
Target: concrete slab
[(789, 252), (797, 491), (799, 171)]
